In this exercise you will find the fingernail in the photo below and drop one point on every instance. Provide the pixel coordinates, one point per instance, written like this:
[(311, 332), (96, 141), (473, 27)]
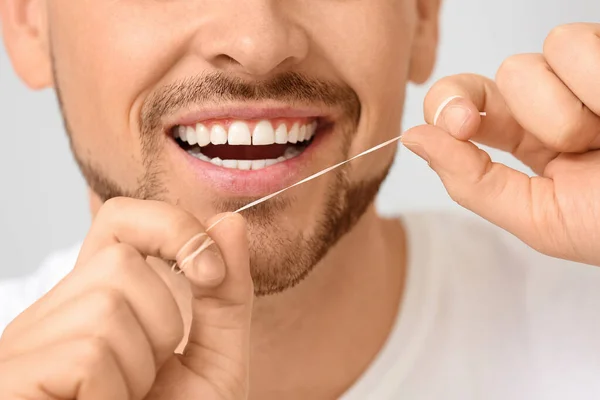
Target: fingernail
[(209, 267), (418, 149), (454, 119), (442, 106)]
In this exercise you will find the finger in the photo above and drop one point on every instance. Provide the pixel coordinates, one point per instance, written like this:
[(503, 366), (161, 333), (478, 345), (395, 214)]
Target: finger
[(230, 251), (82, 370), (153, 228), (122, 269), (498, 129), (218, 346), (103, 314), (543, 105), (573, 53), (499, 194)]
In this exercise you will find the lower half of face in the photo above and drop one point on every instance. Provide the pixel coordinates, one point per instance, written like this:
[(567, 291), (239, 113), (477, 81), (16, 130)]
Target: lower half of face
[(212, 139)]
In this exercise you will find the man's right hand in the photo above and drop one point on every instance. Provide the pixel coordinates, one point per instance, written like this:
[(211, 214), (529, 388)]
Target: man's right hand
[(110, 328)]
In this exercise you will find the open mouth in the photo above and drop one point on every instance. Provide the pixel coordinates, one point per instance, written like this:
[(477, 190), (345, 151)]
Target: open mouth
[(246, 145)]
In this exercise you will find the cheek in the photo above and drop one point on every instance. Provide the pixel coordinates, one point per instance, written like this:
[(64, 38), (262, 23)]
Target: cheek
[(372, 55), (107, 55), (368, 43), (110, 54)]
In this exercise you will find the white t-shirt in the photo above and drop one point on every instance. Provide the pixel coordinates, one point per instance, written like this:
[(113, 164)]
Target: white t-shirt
[(483, 317)]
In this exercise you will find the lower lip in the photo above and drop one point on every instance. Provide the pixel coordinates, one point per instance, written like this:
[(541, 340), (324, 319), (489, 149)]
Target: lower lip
[(253, 183)]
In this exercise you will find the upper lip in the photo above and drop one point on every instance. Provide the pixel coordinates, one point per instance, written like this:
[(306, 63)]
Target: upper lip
[(191, 116)]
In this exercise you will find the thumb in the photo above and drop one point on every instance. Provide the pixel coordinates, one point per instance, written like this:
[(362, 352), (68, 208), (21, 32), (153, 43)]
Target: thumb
[(218, 344), (502, 195)]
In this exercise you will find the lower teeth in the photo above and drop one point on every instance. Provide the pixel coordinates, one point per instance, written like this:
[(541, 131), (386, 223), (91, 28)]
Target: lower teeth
[(245, 165)]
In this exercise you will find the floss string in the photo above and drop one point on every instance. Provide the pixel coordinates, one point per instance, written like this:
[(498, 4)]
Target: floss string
[(209, 241)]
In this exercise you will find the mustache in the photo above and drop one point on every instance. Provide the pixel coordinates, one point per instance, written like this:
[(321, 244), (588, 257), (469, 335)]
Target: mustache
[(217, 88)]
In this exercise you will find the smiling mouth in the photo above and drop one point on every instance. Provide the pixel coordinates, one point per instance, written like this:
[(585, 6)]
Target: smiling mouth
[(247, 144)]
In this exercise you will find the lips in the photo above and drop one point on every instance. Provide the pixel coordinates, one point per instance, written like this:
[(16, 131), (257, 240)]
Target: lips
[(250, 157)]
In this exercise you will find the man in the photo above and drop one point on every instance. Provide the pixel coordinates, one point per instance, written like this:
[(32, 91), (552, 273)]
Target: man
[(180, 112)]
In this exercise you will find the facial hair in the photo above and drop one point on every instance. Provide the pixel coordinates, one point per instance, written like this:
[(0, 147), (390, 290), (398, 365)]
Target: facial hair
[(279, 260)]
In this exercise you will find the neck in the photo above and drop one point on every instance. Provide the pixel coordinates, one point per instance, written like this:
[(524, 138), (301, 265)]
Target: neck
[(310, 333)]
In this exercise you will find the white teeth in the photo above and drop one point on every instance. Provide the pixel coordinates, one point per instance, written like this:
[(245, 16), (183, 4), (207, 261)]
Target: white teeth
[(258, 164), (293, 135), (183, 134), (230, 163), (302, 134), (218, 135), (202, 135), (191, 135), (244, 165), (291, 152), (239, 134), (263, 134), (199, 155), (310, 130), (180, 131), (281, 135)]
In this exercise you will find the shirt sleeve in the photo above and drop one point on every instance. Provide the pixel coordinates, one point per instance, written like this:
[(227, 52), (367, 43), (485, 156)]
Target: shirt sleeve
[(17, 294)]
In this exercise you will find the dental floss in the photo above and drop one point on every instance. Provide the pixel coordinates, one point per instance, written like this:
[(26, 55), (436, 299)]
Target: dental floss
[(314, 176), (180, 252), (442, 106), (209, 241)]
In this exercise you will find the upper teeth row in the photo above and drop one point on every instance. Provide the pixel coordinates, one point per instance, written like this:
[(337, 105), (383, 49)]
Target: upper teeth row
[(239, 133)]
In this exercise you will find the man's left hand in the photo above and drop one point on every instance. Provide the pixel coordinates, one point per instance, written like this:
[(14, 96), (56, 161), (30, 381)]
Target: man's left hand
[(545, 110)]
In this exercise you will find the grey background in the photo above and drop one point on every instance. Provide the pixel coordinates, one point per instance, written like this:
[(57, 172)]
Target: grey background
[(43, 204)]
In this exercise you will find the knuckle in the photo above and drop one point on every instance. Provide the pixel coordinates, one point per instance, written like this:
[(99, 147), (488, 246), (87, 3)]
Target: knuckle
[(183, 221), (515, 71), (560, 35), (511, 67), (119, 260), (447, 86), (93, 352), (109, 302), (444, 83), (121, 255), (112, 205)]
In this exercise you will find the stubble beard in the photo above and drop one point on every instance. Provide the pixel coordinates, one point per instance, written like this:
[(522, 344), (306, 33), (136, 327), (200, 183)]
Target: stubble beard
[(279, 259)]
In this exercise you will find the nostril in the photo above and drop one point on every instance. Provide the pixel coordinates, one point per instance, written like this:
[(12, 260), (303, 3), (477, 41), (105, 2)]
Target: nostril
[(225, 60), (256, 58)]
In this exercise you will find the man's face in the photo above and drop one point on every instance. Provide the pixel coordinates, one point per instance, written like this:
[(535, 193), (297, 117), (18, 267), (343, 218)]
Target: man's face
[(212, 104)]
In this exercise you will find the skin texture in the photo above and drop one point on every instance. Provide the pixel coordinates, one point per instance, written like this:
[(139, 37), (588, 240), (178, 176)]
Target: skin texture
[(108, 58), (114, 142), (131, 352), (556, 212), (109, 62)]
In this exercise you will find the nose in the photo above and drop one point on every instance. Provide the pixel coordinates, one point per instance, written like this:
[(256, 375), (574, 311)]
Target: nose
[(252, 37)]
